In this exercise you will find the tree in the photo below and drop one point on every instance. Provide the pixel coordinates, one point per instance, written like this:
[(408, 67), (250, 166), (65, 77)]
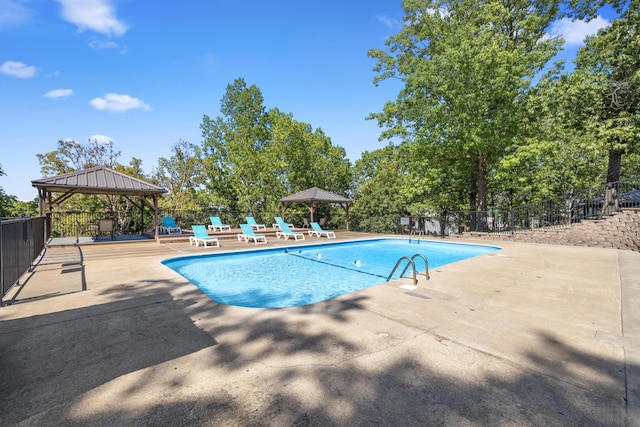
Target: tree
[(72, 156), (20, 208), (551, 155), (181, 174), (253, 157), (608, 72), (232, 145), (380, 195), (301, 157), (466, 67)]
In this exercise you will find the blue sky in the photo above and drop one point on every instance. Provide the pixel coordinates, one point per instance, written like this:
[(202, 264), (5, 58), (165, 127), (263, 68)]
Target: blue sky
[(142, 74)]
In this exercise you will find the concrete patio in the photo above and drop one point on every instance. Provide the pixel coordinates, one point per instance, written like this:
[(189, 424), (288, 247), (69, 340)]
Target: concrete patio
[(103, 334)]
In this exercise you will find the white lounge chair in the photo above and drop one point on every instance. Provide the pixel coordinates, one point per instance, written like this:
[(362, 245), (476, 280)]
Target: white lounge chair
[(247, 233), (286, 232), (319, 232), (200, 235)]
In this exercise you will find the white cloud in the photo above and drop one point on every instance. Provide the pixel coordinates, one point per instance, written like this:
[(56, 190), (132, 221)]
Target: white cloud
[(14, 12), (118, 103), (100, 139), (58, 93), (574, 32), (100, 45), (94, 15), (18, 69), (391, 23)]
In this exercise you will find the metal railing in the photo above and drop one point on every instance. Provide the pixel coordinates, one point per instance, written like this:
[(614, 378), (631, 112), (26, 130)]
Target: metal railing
[(411, 262), (21, 242), (552, 213)]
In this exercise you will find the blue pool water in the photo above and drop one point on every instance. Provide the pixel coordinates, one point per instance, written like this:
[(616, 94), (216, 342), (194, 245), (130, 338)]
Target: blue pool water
[(300, 275)]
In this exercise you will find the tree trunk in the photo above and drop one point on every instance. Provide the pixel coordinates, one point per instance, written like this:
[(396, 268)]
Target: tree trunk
[(473, 204), (613, 176), (613, 170), (482, 193)]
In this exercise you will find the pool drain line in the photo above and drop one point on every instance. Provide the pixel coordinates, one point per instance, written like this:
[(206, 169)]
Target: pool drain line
[(321, 261)]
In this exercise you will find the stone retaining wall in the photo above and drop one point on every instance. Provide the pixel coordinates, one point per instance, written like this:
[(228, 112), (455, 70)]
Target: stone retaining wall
[(620, 230)]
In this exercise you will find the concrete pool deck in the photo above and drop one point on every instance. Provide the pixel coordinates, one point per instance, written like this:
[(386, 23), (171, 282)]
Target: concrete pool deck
[(103, 334)]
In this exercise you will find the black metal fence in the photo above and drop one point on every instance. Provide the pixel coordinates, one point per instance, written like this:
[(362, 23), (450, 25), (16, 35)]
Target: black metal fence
[(21, 242), (556, 213), (551, 214)]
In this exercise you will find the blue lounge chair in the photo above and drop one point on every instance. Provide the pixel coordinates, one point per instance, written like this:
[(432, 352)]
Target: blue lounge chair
[(286, 232), (277, 227), (252, 222), (319, 232), (216, 224), (169, 226), (247, 233), (200, 235)]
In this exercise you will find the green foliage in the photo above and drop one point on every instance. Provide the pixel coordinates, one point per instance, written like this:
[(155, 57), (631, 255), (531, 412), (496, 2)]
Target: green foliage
[(608, 74), (232, 147), (380, 191), (72, 156), (475, 130), (465, 65), (6, 203), (20, 208), (253, 157), (552, 155), (182, 175)]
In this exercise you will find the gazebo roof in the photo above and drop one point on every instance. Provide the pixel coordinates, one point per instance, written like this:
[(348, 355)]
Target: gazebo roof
[(315, 194), (97, 180)]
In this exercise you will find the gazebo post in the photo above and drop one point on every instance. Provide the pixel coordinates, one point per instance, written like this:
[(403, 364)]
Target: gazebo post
[(312, 209), (346, 214)]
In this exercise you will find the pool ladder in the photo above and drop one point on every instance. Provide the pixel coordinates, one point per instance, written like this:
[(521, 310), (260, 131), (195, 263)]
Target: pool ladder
[(417, 234), (411, 262)]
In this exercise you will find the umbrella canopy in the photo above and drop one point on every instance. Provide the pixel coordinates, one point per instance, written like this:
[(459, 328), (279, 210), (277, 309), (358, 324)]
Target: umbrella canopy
[(314, 196)]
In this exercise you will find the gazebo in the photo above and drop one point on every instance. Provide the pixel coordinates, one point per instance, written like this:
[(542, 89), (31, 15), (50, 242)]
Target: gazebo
[(97, 180), (314, 196)]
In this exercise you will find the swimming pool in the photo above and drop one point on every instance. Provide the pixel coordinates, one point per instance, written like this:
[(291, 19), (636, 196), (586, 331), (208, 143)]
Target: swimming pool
[(300, 275)]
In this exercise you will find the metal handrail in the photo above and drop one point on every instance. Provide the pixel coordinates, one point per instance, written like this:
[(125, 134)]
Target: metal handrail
[(426, 265), (398, 264), (411, 262)]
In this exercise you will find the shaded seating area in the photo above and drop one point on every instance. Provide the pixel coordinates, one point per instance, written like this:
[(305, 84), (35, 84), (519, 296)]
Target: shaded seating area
[(286, 232), (99, 180), (248, 234), (314, 197), (317, 231), (200, 235), (217, 225), (254, 225)]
